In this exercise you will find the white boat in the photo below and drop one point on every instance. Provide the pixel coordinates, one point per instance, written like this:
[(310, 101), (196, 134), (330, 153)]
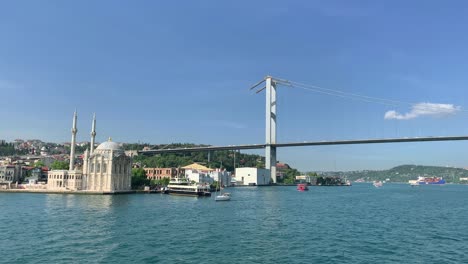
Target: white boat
[(223, 197), (378, 184), (182, 186), (413, 183)]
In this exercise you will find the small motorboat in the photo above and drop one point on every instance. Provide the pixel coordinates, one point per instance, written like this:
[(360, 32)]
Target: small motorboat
[(302, 187), (378, 184), (223, 197)]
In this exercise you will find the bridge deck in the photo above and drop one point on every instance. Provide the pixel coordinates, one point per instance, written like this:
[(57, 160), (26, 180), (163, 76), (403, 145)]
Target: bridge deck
[(306, 143)]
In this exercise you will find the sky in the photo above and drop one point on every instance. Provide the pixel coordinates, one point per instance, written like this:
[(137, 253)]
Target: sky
[(179, 71)]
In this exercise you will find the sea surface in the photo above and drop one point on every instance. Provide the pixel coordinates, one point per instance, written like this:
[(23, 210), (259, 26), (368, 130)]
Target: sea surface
[(359, 224)]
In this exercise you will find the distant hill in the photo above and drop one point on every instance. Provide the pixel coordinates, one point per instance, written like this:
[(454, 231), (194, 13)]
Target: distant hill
[(404, 173), (218, 159)]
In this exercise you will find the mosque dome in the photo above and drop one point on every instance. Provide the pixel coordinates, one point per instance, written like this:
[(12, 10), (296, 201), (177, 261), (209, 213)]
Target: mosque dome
[(109, 145)]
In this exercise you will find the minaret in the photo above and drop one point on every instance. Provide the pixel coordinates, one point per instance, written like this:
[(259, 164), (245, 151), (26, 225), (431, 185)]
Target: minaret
[(73, 143), (93, 134)]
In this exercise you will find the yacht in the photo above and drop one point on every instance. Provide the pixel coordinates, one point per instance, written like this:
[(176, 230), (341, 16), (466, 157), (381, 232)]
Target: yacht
[(223, 197), (182, 186)]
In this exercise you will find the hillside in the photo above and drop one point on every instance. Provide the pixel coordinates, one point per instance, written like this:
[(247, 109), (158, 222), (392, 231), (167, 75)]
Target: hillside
[(218, 159), (404, 173)]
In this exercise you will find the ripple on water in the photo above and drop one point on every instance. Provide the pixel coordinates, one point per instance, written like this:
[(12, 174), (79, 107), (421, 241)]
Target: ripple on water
[(359, 224)]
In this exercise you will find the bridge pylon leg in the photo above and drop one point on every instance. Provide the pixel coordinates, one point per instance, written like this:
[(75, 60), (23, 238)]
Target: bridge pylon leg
[(270, 129)]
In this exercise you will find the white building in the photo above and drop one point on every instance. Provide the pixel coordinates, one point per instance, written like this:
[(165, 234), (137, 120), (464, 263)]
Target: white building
[(105, 170), (304, 178), (253, 176), (221, 176), (202, 174), (198, 176)]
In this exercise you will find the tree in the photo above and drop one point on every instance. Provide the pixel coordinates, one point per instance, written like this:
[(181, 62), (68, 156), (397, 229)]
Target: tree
[(139, 178), (39, 164), (165, 181), (59, 165)]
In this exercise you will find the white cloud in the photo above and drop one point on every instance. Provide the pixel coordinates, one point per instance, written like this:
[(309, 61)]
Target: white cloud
[(424, 109)]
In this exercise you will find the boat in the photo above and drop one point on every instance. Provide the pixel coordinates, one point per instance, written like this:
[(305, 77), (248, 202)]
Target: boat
[(222, 196), (413, 183), (302, 187), (427, 180), (378, 184), (182, 186)]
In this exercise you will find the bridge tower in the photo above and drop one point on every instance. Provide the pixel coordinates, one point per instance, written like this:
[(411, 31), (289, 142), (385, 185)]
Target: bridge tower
[(270, 129)]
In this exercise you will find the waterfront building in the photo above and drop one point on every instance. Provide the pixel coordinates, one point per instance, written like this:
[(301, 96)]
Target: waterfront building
[(222, 176), (198, 176), (9, 174), (253, 176), (281, 170), (198, 173), (35, 174), (161, 173), (105, 170), (197, 166)]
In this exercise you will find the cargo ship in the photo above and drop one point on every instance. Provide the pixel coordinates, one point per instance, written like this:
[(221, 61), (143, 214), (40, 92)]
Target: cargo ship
[(427, 180)]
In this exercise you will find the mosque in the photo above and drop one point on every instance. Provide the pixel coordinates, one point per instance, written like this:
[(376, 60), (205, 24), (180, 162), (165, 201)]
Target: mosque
[(105, 169)]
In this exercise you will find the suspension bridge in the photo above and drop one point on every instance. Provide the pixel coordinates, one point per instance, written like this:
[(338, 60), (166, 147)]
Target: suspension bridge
[(270, 146)]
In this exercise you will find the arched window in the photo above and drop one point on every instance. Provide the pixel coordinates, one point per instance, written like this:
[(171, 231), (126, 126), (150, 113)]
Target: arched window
[(104, 167), (98, 168)]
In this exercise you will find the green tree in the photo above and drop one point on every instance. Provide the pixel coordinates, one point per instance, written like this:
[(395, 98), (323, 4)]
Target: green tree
[(59, 165), (139, 179), (165, 181), (39, 164)]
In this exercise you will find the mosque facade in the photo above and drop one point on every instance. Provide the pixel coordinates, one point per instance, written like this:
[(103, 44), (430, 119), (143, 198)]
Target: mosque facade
[(106, 169)]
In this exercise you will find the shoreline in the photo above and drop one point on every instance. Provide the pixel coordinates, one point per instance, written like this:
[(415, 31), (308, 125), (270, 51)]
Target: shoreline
[(65, 192)]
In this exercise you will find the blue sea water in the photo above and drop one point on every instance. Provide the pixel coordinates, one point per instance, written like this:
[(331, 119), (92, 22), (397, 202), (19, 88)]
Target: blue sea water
[(358, 224)]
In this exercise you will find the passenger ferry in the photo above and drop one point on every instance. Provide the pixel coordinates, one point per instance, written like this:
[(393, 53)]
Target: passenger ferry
[(182, 186)]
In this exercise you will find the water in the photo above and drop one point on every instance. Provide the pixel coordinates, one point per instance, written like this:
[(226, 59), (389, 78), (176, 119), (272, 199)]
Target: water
[(359, 224)]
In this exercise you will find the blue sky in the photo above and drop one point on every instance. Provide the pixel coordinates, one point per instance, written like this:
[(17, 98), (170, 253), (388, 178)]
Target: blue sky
[(179, 71)]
